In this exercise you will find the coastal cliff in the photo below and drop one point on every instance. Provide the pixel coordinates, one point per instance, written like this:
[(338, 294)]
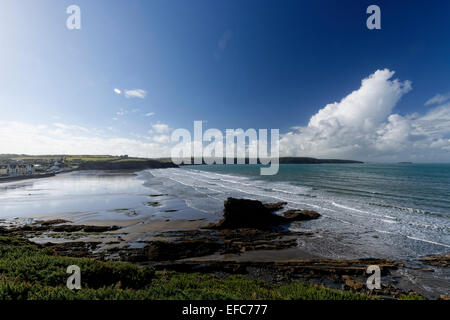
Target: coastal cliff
[(125, 165)]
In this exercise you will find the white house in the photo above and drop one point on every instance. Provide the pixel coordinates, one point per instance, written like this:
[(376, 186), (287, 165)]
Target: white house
[(16, 169)]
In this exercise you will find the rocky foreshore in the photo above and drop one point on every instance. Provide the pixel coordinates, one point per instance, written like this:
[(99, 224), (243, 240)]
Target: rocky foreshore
[(222, 248)]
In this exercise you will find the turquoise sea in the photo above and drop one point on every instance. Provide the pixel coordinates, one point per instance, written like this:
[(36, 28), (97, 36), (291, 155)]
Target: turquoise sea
[(394, 209)]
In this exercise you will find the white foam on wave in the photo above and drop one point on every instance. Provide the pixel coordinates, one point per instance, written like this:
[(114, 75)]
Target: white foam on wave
[(429, 241), (365, 212), (253, 192), (256, 191), (413, 238)]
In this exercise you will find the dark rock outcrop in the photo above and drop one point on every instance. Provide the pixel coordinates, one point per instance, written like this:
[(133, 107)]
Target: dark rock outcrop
[(76, 249), (53, 225), (275, 206), (195, 243), (165, 251), (342, 268), (437, 261), (298, 215), (245, 213)]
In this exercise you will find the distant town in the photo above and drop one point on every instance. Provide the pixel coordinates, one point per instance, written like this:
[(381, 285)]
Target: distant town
[(17, 167), (30, 167)]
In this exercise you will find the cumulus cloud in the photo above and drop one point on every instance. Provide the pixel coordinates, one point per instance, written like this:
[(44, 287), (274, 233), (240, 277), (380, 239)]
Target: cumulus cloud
[(363, 126), (163, 138), (117, 91), (136, 93), (18, 137), (160, 127)]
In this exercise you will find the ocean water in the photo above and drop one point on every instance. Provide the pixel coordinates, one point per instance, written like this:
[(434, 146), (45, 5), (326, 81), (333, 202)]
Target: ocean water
[(398, 210)]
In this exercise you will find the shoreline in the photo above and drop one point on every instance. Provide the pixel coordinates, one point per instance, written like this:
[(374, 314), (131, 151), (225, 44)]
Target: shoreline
[(26, 177), (135, 238)]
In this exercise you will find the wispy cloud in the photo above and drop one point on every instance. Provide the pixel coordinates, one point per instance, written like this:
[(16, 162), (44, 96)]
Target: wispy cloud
[(150, 114), (121, 112), (132, 93), (71, 127), (136, 93), (222, 43), (438, 99)]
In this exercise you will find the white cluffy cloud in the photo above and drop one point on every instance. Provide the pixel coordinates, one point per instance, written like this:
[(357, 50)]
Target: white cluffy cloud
[(134, 93), (160, 128), (363, 126), (58, 138)]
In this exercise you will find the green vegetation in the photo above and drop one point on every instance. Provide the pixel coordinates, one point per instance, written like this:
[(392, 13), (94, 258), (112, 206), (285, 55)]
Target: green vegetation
[(177, 286), (411, 296), (31, 272), (22, 261), (70, 158), (130, 159), (91, 158), (86, 158)]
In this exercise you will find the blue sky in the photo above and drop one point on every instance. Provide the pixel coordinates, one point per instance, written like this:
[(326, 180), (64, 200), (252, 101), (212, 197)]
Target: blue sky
[(232, 64)]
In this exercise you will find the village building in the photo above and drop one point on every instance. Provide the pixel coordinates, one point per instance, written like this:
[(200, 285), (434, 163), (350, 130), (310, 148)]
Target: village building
[(16, 169)]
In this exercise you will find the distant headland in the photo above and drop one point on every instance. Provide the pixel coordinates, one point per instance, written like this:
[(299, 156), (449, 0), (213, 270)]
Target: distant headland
[(15, 165), (282, 160)]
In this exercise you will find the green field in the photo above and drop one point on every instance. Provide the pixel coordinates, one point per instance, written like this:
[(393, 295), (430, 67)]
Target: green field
[(71, 158)]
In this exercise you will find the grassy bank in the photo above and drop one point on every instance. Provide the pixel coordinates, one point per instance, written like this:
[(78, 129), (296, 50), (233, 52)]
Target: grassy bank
[(31, 272)]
